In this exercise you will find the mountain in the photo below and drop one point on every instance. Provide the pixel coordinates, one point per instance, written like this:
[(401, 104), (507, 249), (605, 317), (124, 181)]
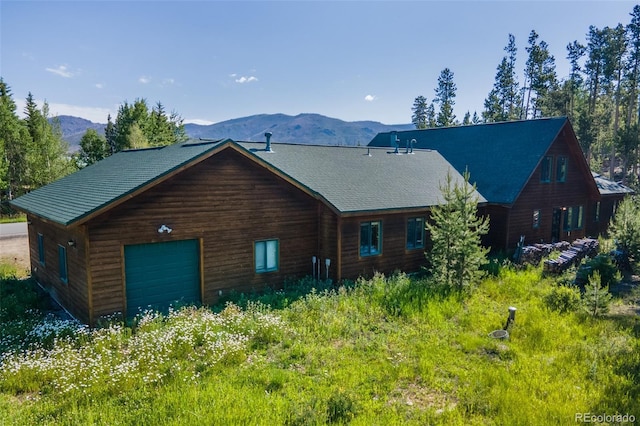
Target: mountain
[(73, 128), (309, 129), (303, 129)]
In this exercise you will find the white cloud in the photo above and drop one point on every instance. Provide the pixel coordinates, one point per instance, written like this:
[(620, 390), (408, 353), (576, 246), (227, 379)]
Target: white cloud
[(62, 71), (168, 81), (370, 98), (198, 121), (99, 86), (144, 80), (244, 79)]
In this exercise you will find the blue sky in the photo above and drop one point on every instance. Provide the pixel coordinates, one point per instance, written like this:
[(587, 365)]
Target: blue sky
[(212, 61)]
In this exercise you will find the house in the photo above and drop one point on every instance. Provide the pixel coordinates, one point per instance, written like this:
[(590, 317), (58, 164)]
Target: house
[(192, 221), (611, 193), (532, 173)]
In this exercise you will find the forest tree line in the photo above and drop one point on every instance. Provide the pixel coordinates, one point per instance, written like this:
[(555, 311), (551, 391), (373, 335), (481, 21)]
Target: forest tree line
[(600, 96), (33, 153)]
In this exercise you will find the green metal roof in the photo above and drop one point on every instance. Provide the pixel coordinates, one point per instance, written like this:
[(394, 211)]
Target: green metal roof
[(500, 157), (346, 177)]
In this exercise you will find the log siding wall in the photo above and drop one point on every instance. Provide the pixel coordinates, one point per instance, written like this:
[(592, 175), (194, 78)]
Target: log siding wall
[(546, 196), (227, 201), (74, 294)]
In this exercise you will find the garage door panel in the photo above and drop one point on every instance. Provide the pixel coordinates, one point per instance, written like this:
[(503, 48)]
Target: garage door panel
[(160, 274)]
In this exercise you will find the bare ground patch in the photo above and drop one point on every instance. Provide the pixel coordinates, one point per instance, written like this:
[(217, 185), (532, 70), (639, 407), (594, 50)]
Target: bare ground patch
[(15, 250)]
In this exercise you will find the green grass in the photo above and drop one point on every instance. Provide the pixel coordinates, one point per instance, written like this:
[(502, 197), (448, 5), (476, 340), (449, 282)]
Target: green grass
[(20, 217), (383, 351)]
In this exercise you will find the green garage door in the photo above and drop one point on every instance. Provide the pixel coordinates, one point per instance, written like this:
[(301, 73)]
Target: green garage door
[(160, 274)]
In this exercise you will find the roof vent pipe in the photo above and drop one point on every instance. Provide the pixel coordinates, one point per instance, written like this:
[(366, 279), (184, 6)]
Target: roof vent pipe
[(395, 141), (268, 136)]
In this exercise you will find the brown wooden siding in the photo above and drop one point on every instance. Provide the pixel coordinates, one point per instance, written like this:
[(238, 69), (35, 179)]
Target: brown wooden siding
[(546, 196), (496, 238), (74, 294), (394, 256), (608, 205), (229, 202)]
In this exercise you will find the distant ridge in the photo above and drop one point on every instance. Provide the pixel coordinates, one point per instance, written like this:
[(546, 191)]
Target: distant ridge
[(309, 129)]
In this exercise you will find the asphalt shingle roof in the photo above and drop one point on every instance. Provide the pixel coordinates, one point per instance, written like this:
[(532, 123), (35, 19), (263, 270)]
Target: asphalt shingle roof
[(609, 187), (347, 178), (79, 194), (500, 157), (353, 181)]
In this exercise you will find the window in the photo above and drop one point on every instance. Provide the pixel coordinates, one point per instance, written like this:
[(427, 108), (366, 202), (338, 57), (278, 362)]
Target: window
[(370, 238), (545, 169), (561, 169), (415, 233), (596, 212), (573, 218), (536, 219), (266, 254), (62, 263), (41, 249)]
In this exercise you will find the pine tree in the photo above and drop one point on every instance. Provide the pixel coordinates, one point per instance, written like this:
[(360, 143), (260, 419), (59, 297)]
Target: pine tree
[(596, 297), (466, 121), (13, 146), (575, 51), (445, 97), (455, 230), (625, 230), (136, 126), (110, 136), (503, 102), (540, 78), (47, 153), (419, 117)]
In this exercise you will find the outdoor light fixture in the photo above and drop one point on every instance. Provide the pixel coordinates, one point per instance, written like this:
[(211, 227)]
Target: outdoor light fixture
[(71, 243), (163, 229)]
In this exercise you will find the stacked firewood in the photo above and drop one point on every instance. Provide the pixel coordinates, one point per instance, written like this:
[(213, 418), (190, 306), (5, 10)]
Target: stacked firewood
[(579, 249)]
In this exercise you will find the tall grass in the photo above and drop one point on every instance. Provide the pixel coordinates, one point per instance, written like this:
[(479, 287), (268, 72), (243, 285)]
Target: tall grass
[(389, 350)]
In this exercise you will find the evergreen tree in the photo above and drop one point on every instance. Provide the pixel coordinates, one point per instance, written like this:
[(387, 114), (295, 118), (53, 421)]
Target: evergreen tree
[(596, 297), (455, 230), (503, 102), (13, 146), (431, 115), (47, 153), (445, 97), (466, 121), (110, 136), (93, 148), (136, 126), (625, 230), (540, 78), (419, 117), (475, 119), (575, 51)]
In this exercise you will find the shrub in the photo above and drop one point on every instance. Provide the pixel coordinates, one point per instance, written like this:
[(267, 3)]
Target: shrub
[(563, 298), (603, 264), (625, 230), (596, 298)]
